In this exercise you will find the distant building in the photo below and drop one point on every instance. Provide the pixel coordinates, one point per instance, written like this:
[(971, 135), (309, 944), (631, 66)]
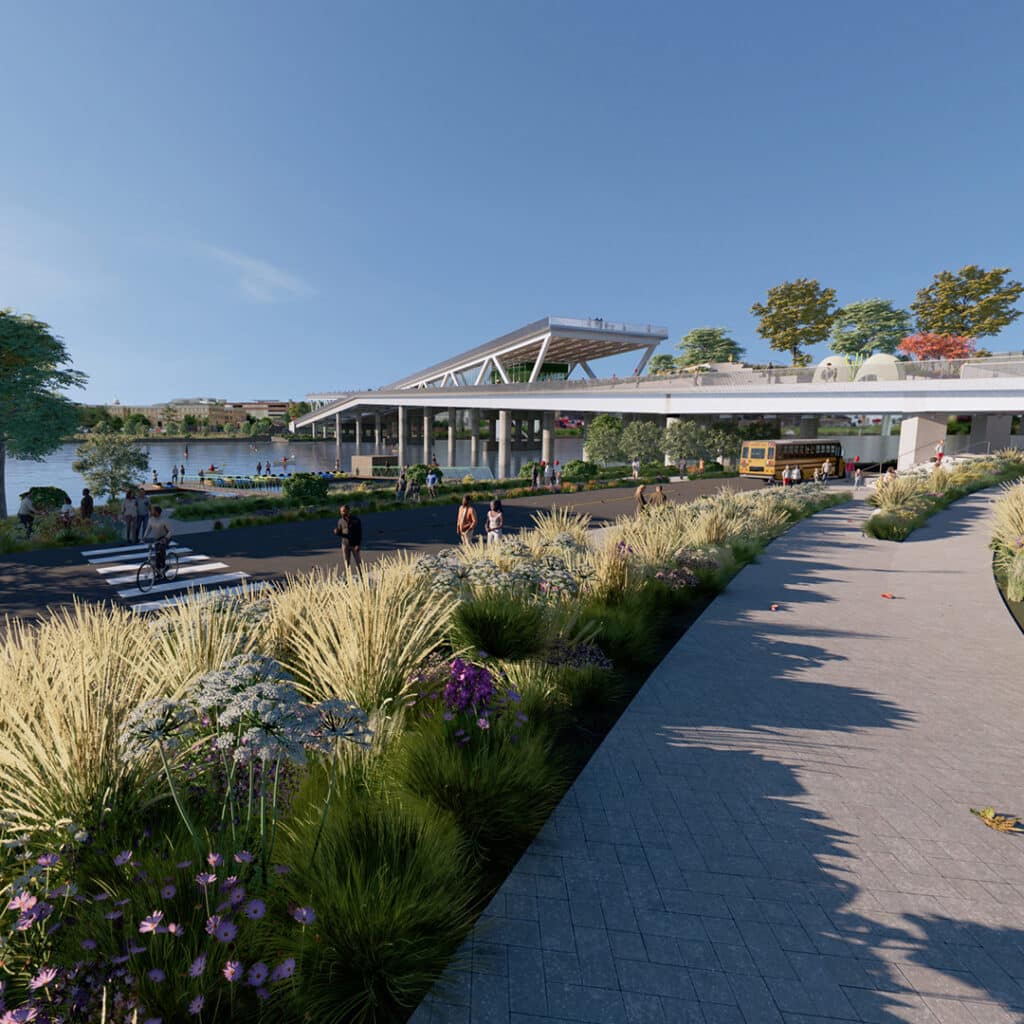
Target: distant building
[(218, 412)]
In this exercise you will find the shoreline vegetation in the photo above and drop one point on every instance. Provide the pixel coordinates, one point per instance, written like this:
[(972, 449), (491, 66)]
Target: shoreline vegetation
[(294, 805)]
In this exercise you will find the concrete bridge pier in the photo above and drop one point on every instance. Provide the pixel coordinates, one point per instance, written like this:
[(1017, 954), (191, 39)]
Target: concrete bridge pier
[(402, 459), (452, 423), (504, 446), (359, 435), (376, 433), (547, 434), (474, 437), (918, 437), (337, 439), (990, 432), (809, 426)]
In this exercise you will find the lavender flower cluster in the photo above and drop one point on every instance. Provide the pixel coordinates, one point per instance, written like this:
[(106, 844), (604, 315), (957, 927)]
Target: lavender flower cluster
[(583, 655), (677, 579)]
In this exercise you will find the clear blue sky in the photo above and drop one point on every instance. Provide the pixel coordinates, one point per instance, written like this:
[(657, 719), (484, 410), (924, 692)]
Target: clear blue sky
[(252, 200)]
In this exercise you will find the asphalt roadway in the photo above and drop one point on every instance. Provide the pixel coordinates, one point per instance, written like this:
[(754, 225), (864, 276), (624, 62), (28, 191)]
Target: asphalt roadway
[(33, 582)]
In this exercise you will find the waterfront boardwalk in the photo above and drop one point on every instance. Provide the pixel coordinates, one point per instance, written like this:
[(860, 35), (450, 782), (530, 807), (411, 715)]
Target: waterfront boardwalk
[(778, 827)]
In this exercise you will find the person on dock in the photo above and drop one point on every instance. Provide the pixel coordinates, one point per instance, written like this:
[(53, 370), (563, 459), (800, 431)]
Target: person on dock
[(181, 474), (259, 468), (350, 530), (85, 509), (174, 475), (465, 522)]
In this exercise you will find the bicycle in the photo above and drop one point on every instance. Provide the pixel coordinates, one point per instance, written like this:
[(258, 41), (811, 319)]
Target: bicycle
[(149, 574)]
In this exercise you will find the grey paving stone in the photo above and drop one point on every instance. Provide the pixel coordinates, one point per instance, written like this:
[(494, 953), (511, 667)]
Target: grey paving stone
[(579, 1003), (526, 980), (655, 979)]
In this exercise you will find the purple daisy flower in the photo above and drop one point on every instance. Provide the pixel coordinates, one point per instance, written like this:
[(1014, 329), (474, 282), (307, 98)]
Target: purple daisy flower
[(258, 974), (152, 922), (225, 932), (233, 970), (196, 1006), (156, 975), (168, 892), (88, 943), (122, 858), (243, 857), (204, 878), (214, 860), (304, 915), (48, 860), (198, 966), (43, 978), (255, 909), (285, 969)]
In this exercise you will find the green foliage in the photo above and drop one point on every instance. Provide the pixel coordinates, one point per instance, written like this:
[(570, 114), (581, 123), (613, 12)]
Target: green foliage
[(110, 463), (394, 890), (641, 439), (798, 314), (34, 416), (708, 345), (503, 625), (137, 424), (604, 437), (662, 363), (46, 499), (297, 409), (974, 302), (577, 469), (872, 325), (623, 631), (305, 489), (526, 469), (500, 787), (685, 440)]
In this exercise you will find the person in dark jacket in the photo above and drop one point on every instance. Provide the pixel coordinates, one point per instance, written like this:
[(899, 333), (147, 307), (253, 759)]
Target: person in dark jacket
[(87, 505), (350, 530)]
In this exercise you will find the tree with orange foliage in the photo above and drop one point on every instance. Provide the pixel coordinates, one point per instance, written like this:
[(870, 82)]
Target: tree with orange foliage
[(927, 345)]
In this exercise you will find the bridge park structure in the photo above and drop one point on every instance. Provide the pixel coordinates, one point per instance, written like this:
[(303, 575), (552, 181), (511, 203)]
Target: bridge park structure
[(518, 383)]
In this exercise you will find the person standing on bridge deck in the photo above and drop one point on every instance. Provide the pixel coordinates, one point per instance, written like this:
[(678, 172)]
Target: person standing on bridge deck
[(465, 522), (350, 530)]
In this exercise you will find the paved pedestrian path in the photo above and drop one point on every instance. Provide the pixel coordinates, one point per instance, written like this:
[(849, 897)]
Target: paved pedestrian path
[(778, 827)]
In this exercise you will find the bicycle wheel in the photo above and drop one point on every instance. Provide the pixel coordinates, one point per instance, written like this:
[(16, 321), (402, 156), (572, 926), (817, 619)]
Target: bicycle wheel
[(170, 566), (145, 576)]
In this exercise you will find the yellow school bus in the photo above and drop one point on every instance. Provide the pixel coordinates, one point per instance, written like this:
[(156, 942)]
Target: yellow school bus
[(767, 459)]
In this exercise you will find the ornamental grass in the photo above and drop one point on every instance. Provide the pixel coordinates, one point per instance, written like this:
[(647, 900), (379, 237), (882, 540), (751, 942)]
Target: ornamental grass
[(1008, 539), (501, 625), (68, 687), (357, 638)]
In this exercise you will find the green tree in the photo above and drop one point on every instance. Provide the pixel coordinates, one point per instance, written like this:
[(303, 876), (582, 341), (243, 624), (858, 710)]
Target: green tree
[(190, 422), (604, 439), (798, 314), (137, 424), (973, 302), (641, 440), (708, 345), (872, 325), (662, 363), (110, 463), (34, 369), (685, 440), (297, 409)]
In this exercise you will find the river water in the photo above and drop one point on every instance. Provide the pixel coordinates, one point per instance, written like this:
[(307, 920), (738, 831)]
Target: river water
[(237, 457)]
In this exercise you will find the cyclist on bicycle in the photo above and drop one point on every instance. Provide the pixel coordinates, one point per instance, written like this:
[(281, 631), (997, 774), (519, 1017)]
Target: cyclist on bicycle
[(159, 531)]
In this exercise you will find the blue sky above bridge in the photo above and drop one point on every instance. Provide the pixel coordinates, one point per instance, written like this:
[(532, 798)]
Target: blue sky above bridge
[(256, 200)]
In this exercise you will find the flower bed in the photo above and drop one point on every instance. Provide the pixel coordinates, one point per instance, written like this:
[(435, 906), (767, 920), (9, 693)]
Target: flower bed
[(904, 503), (292, 805)]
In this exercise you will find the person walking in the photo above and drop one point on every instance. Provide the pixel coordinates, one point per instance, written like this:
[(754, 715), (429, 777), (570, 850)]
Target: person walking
[(27, 513), (130, 511), (259, 468), (142, 501), (548, 473), (826, 469), (174, 474), (350, 530), (700, 467), (403, 483), (786, 476), (495, 523), (635, 467), (639, 499), (465, 522), (432, 483), (796, 476), (858, 478), (535, 477), (86, 507), (659, 497), (181, 474)]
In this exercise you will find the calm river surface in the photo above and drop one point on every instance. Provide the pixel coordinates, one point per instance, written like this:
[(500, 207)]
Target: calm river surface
[(233, 457)]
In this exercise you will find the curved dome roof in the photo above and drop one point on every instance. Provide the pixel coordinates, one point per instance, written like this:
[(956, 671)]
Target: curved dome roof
[(881, 366)]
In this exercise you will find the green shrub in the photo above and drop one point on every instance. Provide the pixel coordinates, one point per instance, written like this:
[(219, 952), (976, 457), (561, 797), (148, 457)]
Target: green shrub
[(891, 525), (500, 787), (577, 469), (589, 688), (46, 499), (625, 632), (503, 625), (526, 469), (393, 889), (306, 489)]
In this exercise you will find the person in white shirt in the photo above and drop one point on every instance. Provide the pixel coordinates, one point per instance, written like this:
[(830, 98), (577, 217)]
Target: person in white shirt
[(495, 523), (159, 531), (27, 513)]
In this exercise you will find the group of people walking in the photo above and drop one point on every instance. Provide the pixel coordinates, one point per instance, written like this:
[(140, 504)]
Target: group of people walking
[(135, 512)]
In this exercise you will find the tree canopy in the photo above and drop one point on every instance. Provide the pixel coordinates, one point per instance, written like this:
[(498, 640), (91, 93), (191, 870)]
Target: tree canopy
[(34, 368), (937, 346), (798, 314), (708, 345), (604, 439), (973, 302), (662, 363), (872, 325), (110, 462), (641, 440)]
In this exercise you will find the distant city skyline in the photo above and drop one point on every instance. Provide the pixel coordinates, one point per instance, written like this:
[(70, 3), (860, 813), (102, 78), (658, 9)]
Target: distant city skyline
[(330, 196)]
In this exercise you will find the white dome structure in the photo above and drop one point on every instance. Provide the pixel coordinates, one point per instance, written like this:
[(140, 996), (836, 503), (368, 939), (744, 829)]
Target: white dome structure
[(881, 366), (833, 369)]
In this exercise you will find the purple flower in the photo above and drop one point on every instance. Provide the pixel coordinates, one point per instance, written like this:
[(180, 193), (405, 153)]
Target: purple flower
[(168, 892), (229, 883), (198, 966), (176, 929), (225, 932), (100, 897), (204, 878), (22, 1015), (196, 1006), (151, 923), (23, 901), (304, 915), (48, 860), (255, 909), (233, 970), (262, 993), (237, 897), (136, 950), (43, 978), (156, 976), (182, 864), (88, 943), (214, 860), (483, 723), (281, 869), (243, 857), (113, 915), (258, 974), (122, 858), (285, 969)]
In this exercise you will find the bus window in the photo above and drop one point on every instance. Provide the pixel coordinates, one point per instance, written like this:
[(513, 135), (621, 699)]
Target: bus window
[(757, 453), (745, 452)]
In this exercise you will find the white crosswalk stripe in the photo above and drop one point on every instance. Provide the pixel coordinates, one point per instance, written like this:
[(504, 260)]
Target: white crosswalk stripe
[(197, 574)]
